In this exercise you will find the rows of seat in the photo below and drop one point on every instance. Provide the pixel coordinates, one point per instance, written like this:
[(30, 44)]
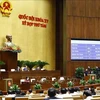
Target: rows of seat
[(77, 97), (35, 79)]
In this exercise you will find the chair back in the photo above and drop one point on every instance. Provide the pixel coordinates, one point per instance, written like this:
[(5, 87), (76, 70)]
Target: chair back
[(8, 98), (0, 97), (37, 98), (95, 98), (21, 98)]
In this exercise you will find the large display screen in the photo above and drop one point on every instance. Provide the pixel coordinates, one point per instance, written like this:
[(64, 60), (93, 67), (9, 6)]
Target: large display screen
[(85, 49)]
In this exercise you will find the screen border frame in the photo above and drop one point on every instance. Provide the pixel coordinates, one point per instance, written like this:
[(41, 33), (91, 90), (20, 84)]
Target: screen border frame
[(87, 39)]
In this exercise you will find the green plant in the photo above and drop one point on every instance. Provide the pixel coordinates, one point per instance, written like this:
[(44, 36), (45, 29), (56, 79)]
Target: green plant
[(40, 63), (79, 72), (93, 70), (20, 63), (14, 87), (56, 85), (82, 82), (30, 64), (70, 84), (90, 81), (97, 80), (37, 86), (2, 63)]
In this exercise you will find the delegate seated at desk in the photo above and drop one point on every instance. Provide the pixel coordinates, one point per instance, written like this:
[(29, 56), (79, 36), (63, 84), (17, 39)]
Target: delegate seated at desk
[(27, 80)]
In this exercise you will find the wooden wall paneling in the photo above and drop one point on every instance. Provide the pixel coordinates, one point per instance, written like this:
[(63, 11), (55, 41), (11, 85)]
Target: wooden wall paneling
[(4, 75), (59, 35), (91, 8), (69, 4), (16, 76), (72, 65), (79, 7), (78, 27), (97, 28), (97, 8), (89, 30), (79, 64), (68, 50), (2, 85), (69, 67), (89, 63), (92, 64), (85, 27), (81, 23), (69, 26), (97, 63)]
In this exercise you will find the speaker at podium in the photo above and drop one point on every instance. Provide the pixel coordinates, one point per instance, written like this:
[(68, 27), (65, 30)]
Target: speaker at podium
[(7, 83), (90, 76)]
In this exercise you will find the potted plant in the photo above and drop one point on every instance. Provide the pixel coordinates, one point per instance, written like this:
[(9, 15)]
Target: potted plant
[(79, 72), (56, 85), (82, 82), (70, 84), (90, 81), (40, 64), (1, 64), (37, 86), (20, 63), (93, 70), (31, 64), (14, 87), (97, 80)]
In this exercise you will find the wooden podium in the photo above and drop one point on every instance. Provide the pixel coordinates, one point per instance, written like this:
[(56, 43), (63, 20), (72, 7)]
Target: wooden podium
[(10, 58), (7, 83), (90, 76)]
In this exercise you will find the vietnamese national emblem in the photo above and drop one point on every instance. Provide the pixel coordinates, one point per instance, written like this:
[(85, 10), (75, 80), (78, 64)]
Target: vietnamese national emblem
[(5, 8)]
